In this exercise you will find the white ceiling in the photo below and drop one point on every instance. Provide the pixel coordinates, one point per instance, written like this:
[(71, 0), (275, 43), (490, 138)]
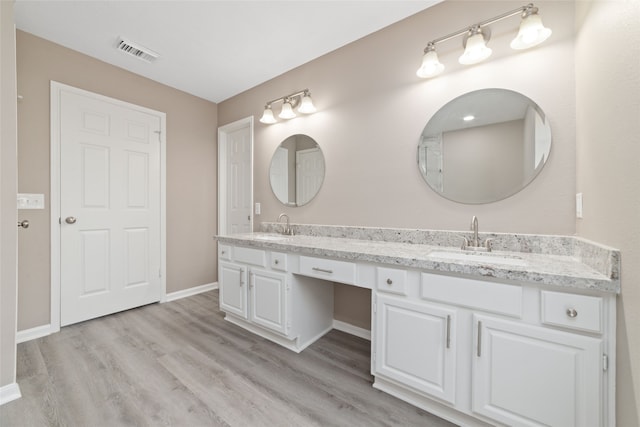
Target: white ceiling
[(213, 49)]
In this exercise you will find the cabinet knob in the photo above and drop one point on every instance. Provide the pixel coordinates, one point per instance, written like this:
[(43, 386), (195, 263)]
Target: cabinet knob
[(276, 262), (389, 282), (222, 252), (571, 312)]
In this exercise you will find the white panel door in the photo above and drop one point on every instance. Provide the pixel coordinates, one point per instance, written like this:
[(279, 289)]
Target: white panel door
[(309, 174), (268, 292), (525, 375), (110, 207), (415, 345), (233, 290), (238, 176)]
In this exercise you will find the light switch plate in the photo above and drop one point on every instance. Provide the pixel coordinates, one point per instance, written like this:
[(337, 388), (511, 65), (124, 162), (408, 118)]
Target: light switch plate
[(30, 201), (579, 205), (258, 208)]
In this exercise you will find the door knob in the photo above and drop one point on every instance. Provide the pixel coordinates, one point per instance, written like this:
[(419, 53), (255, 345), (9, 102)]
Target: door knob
[(70, 220), (23, 223)]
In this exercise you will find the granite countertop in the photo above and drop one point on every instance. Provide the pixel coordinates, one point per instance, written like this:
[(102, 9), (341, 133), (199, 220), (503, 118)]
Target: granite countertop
[(562, 270)]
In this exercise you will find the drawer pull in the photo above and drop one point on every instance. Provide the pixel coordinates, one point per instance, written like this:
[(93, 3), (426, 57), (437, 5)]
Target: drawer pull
[(389, 282), (276, 262), (448, 331), (222, 252), (571, 312), (322, 270)]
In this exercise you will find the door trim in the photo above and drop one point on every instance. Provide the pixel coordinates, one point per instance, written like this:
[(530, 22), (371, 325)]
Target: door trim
[(56, 90), (223, 131)]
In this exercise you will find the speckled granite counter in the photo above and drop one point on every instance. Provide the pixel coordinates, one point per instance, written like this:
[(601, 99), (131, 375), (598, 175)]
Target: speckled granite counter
[(561, 261)]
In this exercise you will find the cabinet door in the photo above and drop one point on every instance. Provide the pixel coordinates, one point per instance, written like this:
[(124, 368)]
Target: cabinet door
[(415, 345), (233, 290), (268, 292), (526, 375)]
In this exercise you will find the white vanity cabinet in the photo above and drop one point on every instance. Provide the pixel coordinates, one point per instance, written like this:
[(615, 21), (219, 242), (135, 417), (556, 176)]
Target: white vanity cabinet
[(415, 344), (483, 352), (526, 375), (259, 292), (268, 294)]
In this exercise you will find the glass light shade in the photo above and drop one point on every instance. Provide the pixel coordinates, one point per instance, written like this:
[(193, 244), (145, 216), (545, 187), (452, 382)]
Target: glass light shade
[(476, 50), (267, 116), (431, 66), (306, 105), (287, 111), (531, 33)]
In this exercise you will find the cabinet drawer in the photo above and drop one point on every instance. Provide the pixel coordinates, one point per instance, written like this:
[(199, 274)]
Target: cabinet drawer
[(336, 271), (573, 311), (279, 261), (224, 252), (250, 256), (391, 280), (489, 296)]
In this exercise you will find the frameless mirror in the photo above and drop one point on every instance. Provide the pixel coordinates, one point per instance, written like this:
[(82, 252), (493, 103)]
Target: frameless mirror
[(297, 170), (484, 146)]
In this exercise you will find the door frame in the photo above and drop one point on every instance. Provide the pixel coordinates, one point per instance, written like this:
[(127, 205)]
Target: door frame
[(56, 91), (223, 132)]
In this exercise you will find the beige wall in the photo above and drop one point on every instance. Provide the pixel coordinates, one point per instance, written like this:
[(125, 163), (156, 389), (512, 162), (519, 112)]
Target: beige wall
[(608, 142), (8, 230), (371, 112), (191, 166)]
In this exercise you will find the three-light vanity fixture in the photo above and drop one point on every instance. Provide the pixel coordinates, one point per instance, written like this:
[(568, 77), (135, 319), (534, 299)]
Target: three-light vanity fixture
[(289, 102), (475, 37)]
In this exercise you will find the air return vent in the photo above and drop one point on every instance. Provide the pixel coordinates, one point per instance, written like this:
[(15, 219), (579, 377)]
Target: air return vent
[(136, 50)]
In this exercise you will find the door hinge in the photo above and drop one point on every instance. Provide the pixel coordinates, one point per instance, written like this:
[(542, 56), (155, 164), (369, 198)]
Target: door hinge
[(59, 220), (605, 362)]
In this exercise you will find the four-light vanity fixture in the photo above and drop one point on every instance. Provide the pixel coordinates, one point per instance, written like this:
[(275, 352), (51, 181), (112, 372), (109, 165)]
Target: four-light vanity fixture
[(475, 37), (289, 102)]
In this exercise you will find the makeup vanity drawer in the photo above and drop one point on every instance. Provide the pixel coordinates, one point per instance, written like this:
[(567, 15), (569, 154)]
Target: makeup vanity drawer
[(391, 280), (573, 311), (336, 271)]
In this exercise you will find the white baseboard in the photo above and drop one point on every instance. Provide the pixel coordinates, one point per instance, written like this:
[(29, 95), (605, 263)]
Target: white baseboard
[(9, 392), (33, 333), (351, 329), (191, 291)]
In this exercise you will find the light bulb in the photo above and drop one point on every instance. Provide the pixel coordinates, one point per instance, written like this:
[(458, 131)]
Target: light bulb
[(531, 32), (306, 104), (287, 112), (267, 116), (475, 51), (431, 66)]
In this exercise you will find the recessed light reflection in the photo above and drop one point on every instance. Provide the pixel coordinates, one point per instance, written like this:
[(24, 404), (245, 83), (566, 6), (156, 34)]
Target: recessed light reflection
[(468, 118)]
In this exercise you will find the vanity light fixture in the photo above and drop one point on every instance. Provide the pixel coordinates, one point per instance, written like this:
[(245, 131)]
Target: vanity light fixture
[(289, 102), (475, 38)]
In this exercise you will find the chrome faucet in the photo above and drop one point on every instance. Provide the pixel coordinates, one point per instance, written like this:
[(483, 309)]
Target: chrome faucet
[(474, 244), (287, 226)]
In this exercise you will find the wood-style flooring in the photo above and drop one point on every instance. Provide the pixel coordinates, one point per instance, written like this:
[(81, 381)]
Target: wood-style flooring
[(181, 364)]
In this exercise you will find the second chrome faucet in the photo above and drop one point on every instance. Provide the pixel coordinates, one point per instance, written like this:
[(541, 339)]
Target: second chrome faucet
[(475, 244)]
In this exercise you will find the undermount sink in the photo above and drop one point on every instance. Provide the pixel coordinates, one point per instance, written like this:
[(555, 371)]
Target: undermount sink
[(480, 258), (271, 237)]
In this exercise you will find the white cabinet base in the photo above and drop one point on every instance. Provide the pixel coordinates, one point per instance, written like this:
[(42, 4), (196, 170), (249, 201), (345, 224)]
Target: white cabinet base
[(295, 344), (429, 405)]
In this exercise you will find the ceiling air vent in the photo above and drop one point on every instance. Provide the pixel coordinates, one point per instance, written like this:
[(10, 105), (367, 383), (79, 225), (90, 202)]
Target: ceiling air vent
[(136, 50)]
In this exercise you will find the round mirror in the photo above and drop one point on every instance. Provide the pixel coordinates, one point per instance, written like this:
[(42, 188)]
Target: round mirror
[(297, 170), (484, 146)]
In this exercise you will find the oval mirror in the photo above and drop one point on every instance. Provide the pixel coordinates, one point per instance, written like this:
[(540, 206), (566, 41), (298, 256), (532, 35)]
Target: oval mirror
[(484, 146), (297, 170)]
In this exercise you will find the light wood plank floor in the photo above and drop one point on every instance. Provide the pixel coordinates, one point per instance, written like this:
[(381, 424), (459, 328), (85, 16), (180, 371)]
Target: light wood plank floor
[(181, 364)]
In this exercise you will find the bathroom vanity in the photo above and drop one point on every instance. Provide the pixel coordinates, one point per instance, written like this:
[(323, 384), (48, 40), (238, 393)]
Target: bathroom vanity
[(520, 336)]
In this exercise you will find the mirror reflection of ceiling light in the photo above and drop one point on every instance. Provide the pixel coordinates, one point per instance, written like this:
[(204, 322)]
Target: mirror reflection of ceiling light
[(531, 33), (289, 102)]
